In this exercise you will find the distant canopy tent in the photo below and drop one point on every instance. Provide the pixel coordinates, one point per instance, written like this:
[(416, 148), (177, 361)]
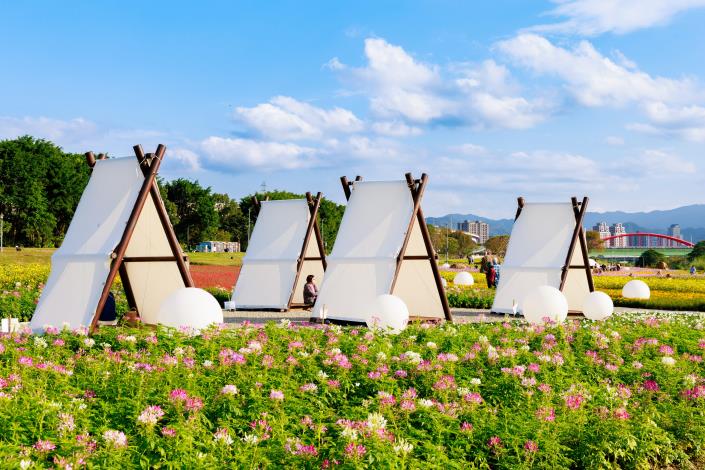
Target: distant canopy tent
[(120, 226), (547, 247), (286, 246), (383, 247)]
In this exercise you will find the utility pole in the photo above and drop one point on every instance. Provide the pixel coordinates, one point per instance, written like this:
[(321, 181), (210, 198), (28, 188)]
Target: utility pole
[(447, 236), (2, 227), (248, 227)]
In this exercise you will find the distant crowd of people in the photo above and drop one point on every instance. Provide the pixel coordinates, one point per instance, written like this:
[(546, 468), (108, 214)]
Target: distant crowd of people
[(489, 265)]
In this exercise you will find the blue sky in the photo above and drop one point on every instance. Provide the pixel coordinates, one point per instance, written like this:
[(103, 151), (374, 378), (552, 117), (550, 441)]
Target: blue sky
[(604, 98)]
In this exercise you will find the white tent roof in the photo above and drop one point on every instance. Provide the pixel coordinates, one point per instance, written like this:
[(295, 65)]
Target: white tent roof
[(536, 254), (268, 272), (364, 258), (80, 266)]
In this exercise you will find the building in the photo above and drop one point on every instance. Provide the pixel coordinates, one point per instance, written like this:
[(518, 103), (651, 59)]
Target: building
[(478, 230), (674, 231), (619, 229), (218, 247), (604, 230)]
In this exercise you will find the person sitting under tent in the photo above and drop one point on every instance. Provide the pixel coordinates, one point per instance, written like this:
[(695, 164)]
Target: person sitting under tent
[(310, 291)]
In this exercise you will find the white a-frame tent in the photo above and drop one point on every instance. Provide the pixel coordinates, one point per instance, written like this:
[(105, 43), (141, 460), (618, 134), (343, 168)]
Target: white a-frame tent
[(383, 247), (547, 247), (120, 226), (286, 246)]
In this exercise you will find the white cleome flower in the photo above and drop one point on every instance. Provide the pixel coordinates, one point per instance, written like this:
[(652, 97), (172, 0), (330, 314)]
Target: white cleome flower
[(402, 446)]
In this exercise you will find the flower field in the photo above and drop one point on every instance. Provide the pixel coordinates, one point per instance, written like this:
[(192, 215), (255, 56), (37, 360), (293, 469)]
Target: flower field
[(629, 393)]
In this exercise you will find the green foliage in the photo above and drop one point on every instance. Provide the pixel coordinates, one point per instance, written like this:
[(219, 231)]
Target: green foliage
[(497, 244), (624, 393), (40, 186), (650, 259), (698, 251), (453, 242)]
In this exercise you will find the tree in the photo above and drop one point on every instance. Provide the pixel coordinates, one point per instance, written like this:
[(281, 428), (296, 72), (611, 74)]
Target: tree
[(497, 244), (195, 209), (40, 186), (650, 259), (698, 251), (594, 242)]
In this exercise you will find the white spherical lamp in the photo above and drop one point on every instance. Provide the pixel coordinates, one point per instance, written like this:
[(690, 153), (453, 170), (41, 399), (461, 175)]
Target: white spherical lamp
[(388, 313), (597, 306), (544, 302), (463, 278), (636, 289), (190, 307), (445, 266)]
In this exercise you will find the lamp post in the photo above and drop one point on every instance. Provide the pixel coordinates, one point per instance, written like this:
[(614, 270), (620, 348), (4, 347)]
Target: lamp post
[(2, 227)]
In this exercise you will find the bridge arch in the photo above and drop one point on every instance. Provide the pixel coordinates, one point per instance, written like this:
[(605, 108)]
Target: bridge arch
[(680, 241)]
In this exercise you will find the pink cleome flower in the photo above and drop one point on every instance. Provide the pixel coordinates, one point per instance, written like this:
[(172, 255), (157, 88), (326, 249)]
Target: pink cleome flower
[(44, 446), (178, 395), (531, 446), (354, 451), (276, 395)]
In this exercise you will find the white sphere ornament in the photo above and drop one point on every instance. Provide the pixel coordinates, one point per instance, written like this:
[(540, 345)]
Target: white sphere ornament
[(463, 278), (597, 306), (388, 313), (190, 307), (545, 302), (445, 266), (636, 289)]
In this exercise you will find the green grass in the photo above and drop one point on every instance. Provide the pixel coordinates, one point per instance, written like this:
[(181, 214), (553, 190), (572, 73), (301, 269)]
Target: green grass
[(43, 256), (636, 252), (216, 259), (26, 256)]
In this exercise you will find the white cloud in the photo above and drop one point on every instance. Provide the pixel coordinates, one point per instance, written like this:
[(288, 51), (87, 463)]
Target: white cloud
[(401, 88), (395, 129), (287, 118), (46, 128), (685, 122), (593, 79), (614, 140), (655, 164), (184, 157), (591, 17), (471, 150), (244, 154)]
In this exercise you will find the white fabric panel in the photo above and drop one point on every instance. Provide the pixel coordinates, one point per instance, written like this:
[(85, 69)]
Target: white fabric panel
[(151, 283), (375, 220), (416, 246), (417, 287), (516, 283), (279, 231), (309, 267), (72, 292), (541, 236), (576, 288), (104, 208), (350, 286), (264, 284), (268, 269), (149, 237), (312, 250), (80, 266)]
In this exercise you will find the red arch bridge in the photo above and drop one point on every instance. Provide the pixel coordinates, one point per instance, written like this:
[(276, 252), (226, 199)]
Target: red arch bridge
[(643, 240)]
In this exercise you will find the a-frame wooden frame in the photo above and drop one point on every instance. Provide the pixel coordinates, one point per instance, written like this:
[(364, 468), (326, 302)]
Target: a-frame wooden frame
[(579, 209), (416, 187), (149, 164), (314, 230)]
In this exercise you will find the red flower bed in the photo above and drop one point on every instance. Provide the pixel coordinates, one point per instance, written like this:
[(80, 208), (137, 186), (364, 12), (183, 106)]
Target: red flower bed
[(215, 276)]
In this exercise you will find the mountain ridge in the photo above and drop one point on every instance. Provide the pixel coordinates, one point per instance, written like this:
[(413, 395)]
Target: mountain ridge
[(691, 219)]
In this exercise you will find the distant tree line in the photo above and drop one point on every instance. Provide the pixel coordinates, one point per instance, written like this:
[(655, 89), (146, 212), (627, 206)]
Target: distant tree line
[(40, 186)]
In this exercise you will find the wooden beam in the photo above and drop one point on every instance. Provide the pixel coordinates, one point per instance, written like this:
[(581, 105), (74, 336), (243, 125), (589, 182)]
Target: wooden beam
[(148, 259), (313, 212), (574, 240), (411, 184), (520, 207), (583, 246), (319, 237), (127, 234), (90, 159)]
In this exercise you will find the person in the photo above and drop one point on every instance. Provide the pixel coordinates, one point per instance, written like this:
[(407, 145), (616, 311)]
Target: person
[(310, 291), (109, 314), (486, 267), (495, 268), (692, 270)]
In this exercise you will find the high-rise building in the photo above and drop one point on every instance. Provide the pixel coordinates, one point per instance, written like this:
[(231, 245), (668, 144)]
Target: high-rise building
[(675, 231), (604, 230), (481, 230), (622, 242)]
